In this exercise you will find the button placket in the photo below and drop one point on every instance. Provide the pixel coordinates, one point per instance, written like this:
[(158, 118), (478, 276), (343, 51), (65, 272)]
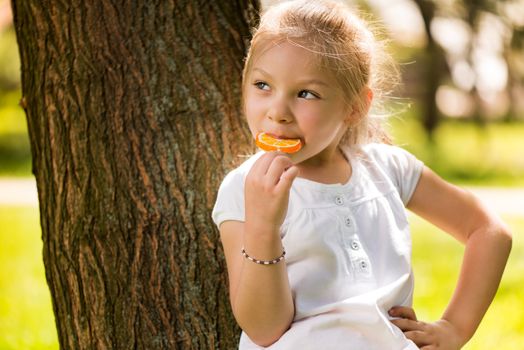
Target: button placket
[(355, 250), (363, 266), (355, 253), (347, 226)]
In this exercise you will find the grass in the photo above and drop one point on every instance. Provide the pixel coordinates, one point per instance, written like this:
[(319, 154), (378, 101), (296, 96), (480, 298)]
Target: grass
[(26, 317), (436, 259)]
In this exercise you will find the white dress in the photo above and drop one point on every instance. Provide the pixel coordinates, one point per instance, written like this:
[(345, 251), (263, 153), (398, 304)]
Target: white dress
[(348, 251)]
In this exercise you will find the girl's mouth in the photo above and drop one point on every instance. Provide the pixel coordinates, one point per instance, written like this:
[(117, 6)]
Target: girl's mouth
[(268, 142)]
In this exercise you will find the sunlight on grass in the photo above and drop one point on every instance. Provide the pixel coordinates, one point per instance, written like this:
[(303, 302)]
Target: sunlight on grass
[(436, 260), (26, 317)]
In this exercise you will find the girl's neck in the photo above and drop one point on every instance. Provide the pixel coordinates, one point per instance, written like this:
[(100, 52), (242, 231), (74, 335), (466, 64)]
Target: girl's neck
[(331, 170)]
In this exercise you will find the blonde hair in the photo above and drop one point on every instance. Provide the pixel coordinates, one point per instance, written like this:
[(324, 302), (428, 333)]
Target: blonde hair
[(344, 44)]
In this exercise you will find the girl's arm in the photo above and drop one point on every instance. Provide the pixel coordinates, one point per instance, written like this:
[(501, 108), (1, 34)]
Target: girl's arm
[(260, 295), (487, 246)]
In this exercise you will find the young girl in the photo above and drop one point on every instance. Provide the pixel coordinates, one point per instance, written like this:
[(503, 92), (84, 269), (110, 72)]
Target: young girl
[(317, 243)]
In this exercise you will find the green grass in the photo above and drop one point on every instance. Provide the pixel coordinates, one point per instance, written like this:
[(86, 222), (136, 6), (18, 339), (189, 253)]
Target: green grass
[(26, 317), (436, 260)]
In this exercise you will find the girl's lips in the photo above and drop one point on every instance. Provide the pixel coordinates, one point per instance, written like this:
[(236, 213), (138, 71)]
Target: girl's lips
[(282, 137), (270, 142)]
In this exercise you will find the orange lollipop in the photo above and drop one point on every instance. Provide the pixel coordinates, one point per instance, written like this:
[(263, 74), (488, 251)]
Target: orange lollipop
[(269, 143)]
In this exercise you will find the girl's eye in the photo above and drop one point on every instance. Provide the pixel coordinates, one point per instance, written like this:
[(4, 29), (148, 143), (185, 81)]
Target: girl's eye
[(308, 95), (261, 85)]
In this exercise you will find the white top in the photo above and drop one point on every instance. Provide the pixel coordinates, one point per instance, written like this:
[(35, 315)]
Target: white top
[(348, 251)]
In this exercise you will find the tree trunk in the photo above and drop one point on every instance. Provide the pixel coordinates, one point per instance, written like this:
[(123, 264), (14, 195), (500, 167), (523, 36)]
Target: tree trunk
[(434, 68), (133, 112)]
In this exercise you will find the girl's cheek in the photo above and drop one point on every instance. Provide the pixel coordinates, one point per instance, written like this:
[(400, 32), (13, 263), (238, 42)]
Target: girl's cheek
[(307, 119), (254, 109)]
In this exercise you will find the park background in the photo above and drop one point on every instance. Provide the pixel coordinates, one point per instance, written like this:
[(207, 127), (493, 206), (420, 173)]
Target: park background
[(476, 141)]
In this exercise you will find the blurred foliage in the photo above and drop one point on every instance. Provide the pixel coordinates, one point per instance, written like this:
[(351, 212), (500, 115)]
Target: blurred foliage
[(9, 61), (462, 152), (15, 152)]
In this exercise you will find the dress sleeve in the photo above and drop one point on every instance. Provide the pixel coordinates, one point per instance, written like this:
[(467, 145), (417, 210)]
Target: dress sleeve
[(403, 168), (408, 169), (230, 199)]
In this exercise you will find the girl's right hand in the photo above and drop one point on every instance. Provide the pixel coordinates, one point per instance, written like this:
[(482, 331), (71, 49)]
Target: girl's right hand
[(267, 192), (427, 336)]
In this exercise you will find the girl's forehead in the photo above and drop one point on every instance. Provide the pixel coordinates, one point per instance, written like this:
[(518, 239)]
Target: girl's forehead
[(278, 53)]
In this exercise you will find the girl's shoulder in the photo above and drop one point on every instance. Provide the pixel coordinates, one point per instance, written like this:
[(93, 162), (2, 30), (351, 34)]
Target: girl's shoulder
[(384, 151), (229, 204), (234, 179), (243, 169), (398, 166), (387, 156)]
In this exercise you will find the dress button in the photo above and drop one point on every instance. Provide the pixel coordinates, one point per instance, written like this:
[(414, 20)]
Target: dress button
[(348, 222), (363, 265), (339, 200), (355, 246)]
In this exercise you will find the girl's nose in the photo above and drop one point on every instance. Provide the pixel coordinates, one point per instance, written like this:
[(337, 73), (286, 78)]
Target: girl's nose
[(279, 112), (280, 118)]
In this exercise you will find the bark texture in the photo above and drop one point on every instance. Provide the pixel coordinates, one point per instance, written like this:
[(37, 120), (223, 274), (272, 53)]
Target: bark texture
[(133, 112)]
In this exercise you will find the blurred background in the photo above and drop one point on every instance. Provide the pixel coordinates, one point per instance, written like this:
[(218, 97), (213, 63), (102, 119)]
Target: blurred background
[(460, 110)]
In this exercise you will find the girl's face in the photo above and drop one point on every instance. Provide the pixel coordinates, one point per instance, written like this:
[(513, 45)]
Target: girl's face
[(288, 95)]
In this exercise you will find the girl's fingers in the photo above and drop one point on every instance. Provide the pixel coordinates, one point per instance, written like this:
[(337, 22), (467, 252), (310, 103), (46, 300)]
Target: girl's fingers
[(420, 338), (262, 164), (277, 168), (287, 178), (403, 312), (407, 325)]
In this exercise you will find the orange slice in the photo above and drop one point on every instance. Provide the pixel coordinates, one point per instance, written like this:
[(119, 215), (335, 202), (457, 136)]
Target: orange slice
[(269, 143)]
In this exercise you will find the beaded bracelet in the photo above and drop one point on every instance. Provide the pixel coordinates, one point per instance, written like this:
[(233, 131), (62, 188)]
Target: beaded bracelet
[(264, 262)]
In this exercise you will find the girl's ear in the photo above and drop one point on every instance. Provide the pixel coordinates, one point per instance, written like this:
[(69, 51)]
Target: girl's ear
[(369, 97), (360, 107)]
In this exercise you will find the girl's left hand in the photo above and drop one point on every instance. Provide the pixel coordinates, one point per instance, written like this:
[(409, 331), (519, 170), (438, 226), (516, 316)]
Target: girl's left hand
[(427, 336)]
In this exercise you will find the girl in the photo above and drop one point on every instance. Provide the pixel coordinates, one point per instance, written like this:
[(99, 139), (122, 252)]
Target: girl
[(317, 243)]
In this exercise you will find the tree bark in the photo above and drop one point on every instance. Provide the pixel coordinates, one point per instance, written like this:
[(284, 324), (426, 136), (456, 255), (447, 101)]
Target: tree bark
[(134, 116)]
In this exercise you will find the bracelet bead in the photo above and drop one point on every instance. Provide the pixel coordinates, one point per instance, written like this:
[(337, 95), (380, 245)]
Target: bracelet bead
[(264, 262)]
